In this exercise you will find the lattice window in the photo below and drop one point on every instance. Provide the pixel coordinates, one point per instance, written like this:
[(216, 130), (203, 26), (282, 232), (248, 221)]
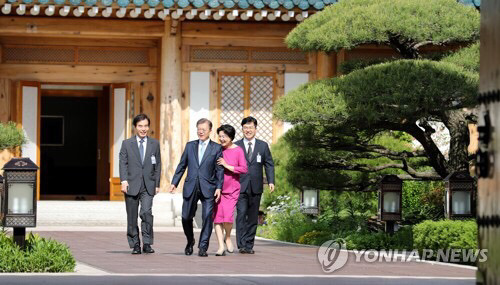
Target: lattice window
[(290, 56), (232, 91), (21, 54), (74, 55), (219, 54), (247, 95), (247, 54), (113, 56), (261, 105)]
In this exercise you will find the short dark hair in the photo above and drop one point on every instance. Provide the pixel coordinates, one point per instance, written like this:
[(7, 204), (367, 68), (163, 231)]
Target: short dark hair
[(249, 119), (202, 121), (139, 118), (228, 130)]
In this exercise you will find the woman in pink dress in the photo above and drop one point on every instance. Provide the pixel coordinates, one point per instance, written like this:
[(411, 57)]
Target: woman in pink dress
[(234, 161)]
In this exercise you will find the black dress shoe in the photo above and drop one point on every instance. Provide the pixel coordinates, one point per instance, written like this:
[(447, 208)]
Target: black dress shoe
[(136, 250), (243, 251), (249, 251), (189, 248), (202, 252), (147, 249)]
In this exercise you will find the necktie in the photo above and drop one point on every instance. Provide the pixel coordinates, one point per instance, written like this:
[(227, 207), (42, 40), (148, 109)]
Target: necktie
[(202, 151), (141, 150), (250, 151)]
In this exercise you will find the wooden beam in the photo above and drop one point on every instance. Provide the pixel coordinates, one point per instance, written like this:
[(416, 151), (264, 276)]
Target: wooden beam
[(80, 42), (171, 110), (194, 29), (78, 73), (61, 27), (247, 67), (234, 42)]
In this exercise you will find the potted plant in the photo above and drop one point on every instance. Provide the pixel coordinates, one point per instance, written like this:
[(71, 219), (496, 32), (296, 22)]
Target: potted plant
[(11, 139)]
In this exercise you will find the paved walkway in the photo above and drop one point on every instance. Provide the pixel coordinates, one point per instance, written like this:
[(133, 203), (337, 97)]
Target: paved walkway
[(108, 252)]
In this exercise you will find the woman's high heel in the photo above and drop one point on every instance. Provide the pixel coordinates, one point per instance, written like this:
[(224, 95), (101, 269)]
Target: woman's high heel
[(228, 250), (221, 254)]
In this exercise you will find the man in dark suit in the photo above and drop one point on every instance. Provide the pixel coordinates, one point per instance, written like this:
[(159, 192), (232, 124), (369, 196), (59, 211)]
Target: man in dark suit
[(140, 169), (203, 182), (258, 157)]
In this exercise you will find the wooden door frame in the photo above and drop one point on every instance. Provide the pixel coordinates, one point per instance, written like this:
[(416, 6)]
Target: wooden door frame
[(75, 94), (115, 182), (19, 121)]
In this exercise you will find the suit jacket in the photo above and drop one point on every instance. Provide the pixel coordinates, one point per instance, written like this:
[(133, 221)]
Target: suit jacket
[(208, 174), (255, 177), (133, 171)]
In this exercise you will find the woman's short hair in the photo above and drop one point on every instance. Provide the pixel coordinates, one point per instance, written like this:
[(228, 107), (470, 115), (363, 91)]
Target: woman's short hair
[(228, 130)]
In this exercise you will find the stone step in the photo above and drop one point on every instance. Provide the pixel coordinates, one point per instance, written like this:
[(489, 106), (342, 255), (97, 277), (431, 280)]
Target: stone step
[(103, 213)]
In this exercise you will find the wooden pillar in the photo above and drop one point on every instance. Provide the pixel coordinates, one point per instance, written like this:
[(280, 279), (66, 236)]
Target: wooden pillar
[(171, 97), (340, 60), (326, 65), (488, 211), (279, 91), (214, 101), (5, 100)]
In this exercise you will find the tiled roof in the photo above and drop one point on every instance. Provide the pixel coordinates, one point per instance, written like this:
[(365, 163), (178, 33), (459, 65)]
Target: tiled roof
[(214, 4)]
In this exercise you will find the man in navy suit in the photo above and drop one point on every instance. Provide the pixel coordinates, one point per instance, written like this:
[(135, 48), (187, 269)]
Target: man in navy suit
[(258, 157), (203, 182)]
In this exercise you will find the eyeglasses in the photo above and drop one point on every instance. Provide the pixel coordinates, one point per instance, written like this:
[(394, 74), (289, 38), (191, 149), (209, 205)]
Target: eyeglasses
[(246, 128)]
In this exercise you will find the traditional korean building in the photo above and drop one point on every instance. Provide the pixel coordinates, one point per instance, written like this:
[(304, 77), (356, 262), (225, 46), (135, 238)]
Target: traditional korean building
[(74, 73)]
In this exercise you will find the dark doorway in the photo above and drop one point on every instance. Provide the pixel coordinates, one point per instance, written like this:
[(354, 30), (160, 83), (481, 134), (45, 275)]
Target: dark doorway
[(74, 145)]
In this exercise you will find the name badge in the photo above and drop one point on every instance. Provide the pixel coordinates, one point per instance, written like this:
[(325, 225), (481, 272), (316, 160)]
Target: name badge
[(153, 159), (259, 158)]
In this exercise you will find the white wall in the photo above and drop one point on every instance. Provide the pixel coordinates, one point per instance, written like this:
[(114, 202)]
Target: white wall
[(292, 81), (199, 100), (30, 121), (119, 120)]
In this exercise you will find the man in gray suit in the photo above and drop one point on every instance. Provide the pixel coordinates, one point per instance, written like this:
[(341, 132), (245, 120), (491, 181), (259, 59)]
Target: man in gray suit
[(140, 169)]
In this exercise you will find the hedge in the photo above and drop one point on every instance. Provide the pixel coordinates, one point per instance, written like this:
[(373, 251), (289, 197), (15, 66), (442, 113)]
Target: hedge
[(40, 255)]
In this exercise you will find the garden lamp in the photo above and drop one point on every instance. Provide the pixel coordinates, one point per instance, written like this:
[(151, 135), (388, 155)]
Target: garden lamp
[(309, 198), (390, 199), (19, 201), (1, 200), (459, 195)]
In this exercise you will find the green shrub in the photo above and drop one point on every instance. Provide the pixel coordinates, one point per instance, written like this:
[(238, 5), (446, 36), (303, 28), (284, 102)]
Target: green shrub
[(40, 255), (281, 156), (315, 237), (422, 201), (445, 234), (365, 240), (285, 220), (11, 136)]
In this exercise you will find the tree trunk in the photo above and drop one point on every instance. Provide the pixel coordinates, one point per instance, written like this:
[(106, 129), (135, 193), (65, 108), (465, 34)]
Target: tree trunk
[(436, 158), (404, 49), (457, 124)]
